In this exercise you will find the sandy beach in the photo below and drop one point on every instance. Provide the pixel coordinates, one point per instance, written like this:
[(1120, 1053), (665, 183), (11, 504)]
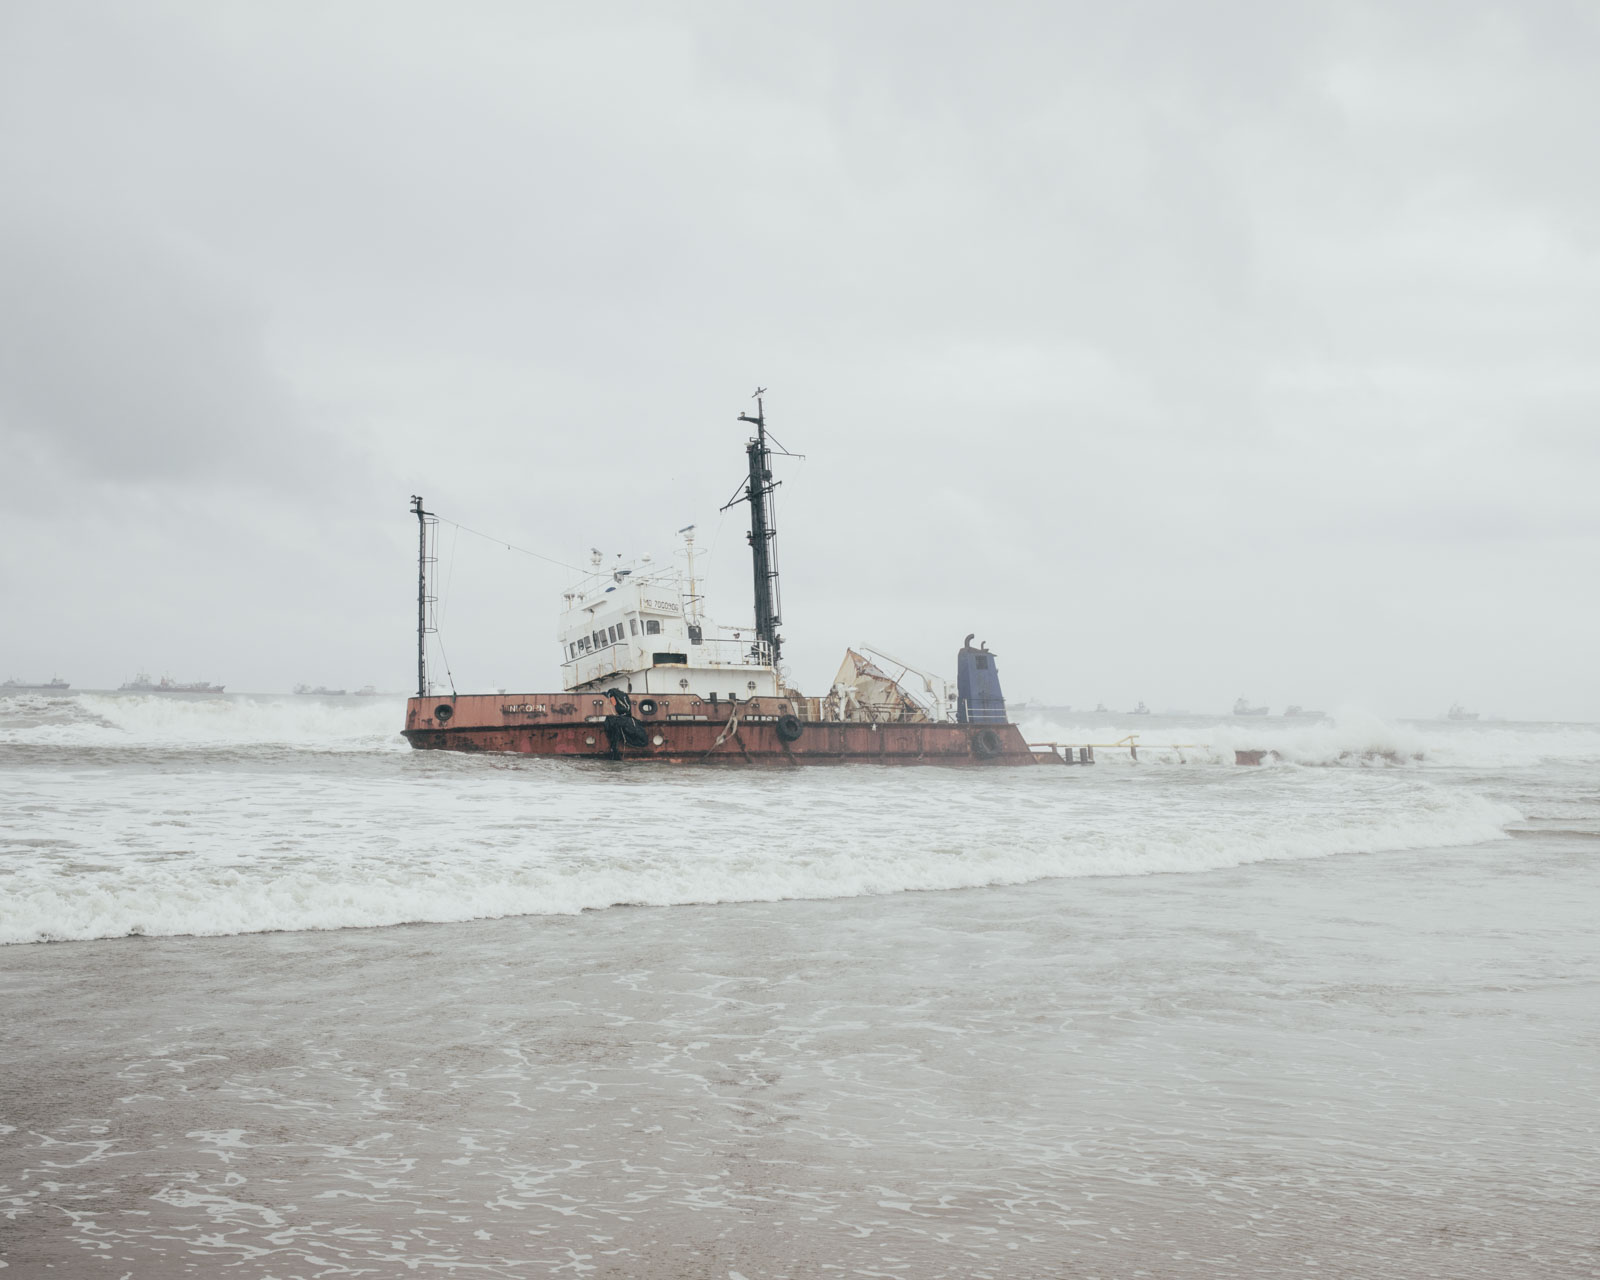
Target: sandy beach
[(1347, 1066)]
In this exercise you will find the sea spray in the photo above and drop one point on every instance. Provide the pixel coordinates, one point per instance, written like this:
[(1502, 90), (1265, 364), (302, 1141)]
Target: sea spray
[(155, 719), (1353, 738)]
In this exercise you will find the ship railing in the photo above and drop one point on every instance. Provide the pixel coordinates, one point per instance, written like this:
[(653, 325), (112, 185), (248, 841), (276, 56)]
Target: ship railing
[(1130, 744), (987, 715), (1064, 753)]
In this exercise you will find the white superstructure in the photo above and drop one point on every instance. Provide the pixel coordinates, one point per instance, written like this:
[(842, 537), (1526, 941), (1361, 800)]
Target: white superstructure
[(635, 627)]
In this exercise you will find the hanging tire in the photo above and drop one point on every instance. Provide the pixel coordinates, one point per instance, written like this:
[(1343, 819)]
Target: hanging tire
[(986, 744), (647, 706), (789, 728), (443, 712)]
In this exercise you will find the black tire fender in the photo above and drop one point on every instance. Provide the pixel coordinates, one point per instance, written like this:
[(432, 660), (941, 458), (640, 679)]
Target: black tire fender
[(986, 743), (789, 728), (647, 706)]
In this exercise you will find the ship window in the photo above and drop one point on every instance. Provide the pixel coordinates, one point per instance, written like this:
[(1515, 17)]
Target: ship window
[(599, 638), (633, 626), (611, 635), (670, 659), (652, 627), (583, 644)]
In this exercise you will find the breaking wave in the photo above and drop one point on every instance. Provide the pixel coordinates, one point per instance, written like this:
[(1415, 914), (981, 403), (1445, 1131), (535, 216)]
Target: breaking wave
[(133, 720), (130, 814), (190, 854), (1351, 738)]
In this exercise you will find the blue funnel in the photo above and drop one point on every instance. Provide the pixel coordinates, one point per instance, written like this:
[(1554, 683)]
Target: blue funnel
[(979, 700)]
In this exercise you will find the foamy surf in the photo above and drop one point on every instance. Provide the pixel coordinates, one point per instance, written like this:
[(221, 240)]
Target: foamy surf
[(132, 720), (203, 855), (1353, 738)]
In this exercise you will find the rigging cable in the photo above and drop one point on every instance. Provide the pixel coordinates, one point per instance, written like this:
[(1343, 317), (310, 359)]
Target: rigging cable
[(443, 605), (449, 576), (562, 564), (438, 639)]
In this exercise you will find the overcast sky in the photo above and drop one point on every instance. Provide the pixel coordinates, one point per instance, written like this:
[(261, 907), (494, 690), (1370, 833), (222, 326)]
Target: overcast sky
[(1181, 350)]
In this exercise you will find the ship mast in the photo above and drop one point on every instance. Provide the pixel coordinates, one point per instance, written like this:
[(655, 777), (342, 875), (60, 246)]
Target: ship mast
[(424, 519), (758, 491)]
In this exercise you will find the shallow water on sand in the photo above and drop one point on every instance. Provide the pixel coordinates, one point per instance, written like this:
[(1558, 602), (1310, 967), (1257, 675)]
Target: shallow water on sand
[(1357, 1065), (1179, 1021)]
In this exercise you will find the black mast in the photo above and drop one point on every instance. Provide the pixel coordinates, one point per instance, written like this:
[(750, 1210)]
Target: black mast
[(424, 519), (758, 490)]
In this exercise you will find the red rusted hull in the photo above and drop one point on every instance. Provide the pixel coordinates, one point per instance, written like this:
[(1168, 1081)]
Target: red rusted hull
[(685, 731)]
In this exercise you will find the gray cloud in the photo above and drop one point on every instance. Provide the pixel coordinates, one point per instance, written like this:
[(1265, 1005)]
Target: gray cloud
[(1184, 349)]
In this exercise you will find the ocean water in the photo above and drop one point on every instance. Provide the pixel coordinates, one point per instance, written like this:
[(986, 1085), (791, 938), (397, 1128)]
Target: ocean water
[(284, 998)]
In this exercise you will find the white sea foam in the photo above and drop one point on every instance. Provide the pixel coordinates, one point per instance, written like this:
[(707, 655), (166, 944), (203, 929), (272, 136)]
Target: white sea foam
[(282, 813), (1353, 737), (208, 853), (123, 720)]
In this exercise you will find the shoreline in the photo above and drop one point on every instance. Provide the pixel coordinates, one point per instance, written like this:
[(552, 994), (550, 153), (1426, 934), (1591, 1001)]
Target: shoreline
[(975, 1081)]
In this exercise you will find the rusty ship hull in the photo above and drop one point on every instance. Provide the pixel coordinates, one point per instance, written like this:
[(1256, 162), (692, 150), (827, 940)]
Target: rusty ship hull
[(691, 731)]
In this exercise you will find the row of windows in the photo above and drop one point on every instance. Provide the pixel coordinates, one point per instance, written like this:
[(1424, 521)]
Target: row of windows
[(611, 635)]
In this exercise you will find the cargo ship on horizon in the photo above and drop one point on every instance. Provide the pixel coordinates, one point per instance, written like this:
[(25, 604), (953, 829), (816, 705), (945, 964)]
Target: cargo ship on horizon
[(56, 685), (646, 675), (142, 683)]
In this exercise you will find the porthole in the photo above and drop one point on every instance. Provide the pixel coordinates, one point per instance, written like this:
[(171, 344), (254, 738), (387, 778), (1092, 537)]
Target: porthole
[(658, 739), (590, 740)]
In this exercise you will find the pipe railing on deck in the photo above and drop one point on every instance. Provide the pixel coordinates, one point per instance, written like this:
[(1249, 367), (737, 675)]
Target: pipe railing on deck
[(1130, 744)]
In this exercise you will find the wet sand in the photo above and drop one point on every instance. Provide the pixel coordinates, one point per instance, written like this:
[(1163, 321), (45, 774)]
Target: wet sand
[(1349, 1066)]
